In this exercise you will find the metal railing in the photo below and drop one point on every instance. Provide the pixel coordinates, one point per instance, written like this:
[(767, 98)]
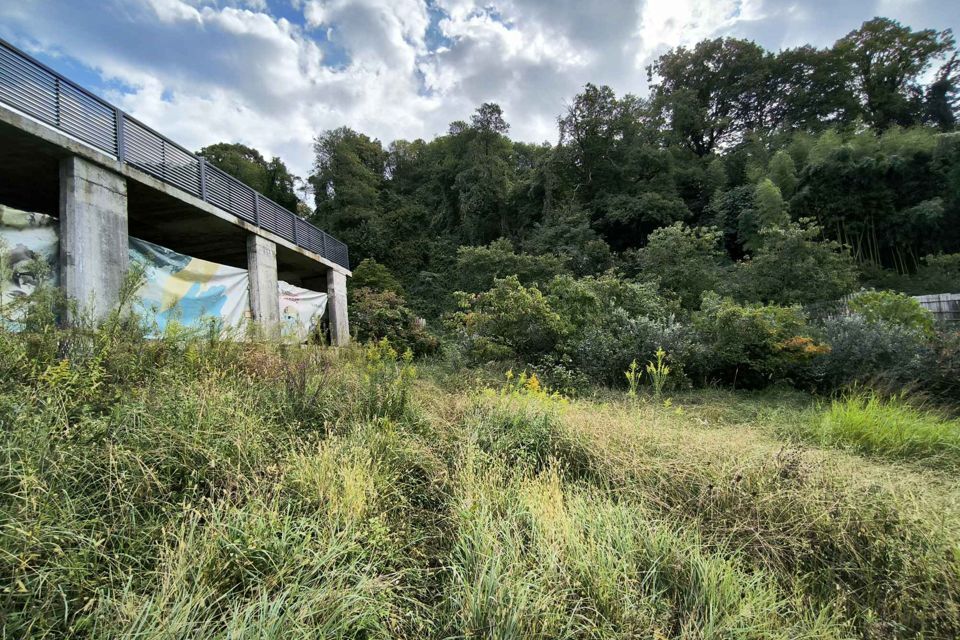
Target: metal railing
[(31, 87)]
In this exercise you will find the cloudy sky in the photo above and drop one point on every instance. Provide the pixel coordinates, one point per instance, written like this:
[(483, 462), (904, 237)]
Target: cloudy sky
[(274, 73)]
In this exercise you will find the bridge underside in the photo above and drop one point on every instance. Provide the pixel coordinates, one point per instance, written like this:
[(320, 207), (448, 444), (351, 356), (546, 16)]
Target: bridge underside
[(30, 180)]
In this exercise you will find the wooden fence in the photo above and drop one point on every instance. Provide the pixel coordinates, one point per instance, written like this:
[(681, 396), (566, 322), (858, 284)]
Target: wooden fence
[(944, 306)]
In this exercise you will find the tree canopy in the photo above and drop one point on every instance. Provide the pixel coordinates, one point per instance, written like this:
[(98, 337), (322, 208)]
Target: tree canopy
[(769, 176)]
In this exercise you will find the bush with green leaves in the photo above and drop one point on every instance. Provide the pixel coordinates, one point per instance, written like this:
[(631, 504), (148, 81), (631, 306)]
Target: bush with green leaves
[(752, 345), (375, 315), (941, 272), (370, 274), (610, 321), (605, 350), (892, 308), (583, 302), (943, 378), (865, 351), (686, 261), (793, 265), (478, 267), (507, 322)]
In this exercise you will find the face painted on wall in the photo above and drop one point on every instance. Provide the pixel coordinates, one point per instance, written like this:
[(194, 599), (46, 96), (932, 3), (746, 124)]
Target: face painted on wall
[(28, 252), (22, 277)]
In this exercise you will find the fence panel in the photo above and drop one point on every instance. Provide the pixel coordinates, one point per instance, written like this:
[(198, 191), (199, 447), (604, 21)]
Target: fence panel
[(38, 91)]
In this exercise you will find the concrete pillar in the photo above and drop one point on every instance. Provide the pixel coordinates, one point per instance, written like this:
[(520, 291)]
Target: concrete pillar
[(94, 254), (337, 308), (264, 291)]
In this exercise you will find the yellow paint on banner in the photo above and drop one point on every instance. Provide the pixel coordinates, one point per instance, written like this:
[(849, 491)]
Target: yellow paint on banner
[(177, 285)]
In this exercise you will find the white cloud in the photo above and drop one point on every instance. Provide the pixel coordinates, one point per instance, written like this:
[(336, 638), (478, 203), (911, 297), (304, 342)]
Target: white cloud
[(668, 23), (202, 71)]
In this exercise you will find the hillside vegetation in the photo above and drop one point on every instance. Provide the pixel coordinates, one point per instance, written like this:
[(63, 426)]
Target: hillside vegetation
[(188, 487), (758, 215)]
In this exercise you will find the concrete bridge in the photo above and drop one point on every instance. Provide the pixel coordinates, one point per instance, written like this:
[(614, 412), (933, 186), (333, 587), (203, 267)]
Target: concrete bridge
[(68, 153)]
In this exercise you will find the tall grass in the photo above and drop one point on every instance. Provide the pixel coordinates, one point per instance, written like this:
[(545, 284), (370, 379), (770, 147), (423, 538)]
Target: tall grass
[(187, 487), (534, 557), (890, 427)]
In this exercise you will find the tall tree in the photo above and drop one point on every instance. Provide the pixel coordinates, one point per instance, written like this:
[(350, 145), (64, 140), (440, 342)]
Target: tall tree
[(483, 181), (348, 177), (248, 165), (620, 174), (888, 62), (943, 95), (711, 95), (814, 89)]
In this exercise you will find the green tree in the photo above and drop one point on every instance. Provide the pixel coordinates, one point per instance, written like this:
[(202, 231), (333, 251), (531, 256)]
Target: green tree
[(794, 266), (508, 321), (617, 170), (943, 96), (815, 89), (768, 211), (271, 178), (483, 181), (478, 267), (783, 172), (686, 261), (710, 96), (372, 275), (348, 178), (889, 61), (882, 196), (566, 232)]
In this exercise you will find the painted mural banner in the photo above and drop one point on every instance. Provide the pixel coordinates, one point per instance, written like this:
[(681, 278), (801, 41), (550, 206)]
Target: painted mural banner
[(300, 312), (178, 290), (188, 291), (29, 250)]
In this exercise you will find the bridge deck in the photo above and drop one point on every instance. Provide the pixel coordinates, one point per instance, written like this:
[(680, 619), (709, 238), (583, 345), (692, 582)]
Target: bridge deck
[(210, 217)]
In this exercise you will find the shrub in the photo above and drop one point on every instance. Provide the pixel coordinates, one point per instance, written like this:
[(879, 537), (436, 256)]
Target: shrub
[(584, 302), (370, 274), (751, 345), (941, 272), (508, 321), (687, 261), (479, 267), (793, 266), (893, 308), (378, 315), (862, 351), (944, 372), (603, 351), (610, 321)]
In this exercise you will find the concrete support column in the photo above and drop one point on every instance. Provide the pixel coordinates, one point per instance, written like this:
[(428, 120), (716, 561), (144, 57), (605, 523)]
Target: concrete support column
[(94, 254), (337, 308), (264, 291)]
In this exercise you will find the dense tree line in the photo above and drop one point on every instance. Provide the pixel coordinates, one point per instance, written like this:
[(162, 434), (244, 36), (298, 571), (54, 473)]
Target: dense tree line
[(764, 175), (741, 146), (729, 221)]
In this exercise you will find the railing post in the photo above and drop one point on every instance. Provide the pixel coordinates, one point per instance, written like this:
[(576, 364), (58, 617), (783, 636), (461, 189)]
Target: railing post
[(295, 225), (323, 243), (256, 208), (56, 101), (121, 148), (203, 178)]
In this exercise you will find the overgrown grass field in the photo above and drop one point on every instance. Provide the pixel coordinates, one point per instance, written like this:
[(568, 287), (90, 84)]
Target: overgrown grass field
[(190, 488)]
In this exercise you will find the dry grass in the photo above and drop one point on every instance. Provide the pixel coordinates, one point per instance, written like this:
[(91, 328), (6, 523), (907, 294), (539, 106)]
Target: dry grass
[(181, 489)]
